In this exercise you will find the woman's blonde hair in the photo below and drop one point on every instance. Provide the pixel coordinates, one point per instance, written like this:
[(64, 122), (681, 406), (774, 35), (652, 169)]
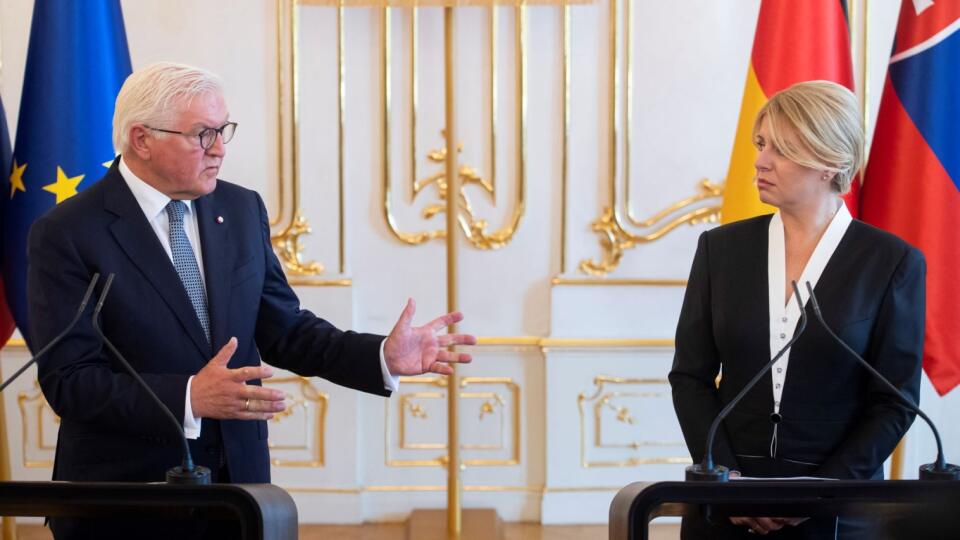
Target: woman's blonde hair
[(149, 96), (825, 119)]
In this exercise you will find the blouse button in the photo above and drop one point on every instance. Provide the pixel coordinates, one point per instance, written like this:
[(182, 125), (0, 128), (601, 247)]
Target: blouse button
[(783, 336)]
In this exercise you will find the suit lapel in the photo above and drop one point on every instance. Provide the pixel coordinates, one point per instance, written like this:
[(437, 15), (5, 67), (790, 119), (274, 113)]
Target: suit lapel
[(138, 240), (214, 224)]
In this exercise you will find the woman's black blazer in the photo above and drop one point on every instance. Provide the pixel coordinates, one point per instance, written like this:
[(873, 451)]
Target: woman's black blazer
[(837, 421)]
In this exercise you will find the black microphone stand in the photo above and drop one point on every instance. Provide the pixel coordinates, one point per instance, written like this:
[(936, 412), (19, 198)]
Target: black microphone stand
[(708, 470), (55, 340), (940, 470), (187, 472)]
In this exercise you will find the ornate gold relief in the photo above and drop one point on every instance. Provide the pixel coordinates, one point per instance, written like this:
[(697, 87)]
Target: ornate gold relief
[(37, 443), (286, 243), (603, 403), (305, 416), (422, 406), (615, 235), (615, 238), (473, 227), (289, 250)]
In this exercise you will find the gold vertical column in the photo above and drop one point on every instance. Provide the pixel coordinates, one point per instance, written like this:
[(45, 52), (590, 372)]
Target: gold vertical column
[(9, 522), (453, 189)]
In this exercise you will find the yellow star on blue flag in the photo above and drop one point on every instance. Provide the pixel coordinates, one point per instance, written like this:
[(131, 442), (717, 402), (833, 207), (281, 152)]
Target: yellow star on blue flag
[(65, 186), (64, 131)]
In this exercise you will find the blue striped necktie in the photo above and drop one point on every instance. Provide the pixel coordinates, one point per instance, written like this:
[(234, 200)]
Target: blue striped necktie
[(186, 264)]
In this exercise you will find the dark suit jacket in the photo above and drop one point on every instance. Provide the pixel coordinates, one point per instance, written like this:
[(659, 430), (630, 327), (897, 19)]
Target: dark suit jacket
[(110, 430), (838, 422)]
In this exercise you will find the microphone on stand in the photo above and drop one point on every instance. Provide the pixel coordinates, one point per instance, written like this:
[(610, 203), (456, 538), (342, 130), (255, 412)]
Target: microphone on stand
[(55, 340), (187, 472), (940, 470), (708, 470)]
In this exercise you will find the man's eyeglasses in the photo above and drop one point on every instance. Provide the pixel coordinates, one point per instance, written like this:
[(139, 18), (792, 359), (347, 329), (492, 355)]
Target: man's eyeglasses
[(207, 136)]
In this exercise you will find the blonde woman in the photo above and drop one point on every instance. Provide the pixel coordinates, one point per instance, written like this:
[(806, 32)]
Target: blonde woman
[(818, 413)]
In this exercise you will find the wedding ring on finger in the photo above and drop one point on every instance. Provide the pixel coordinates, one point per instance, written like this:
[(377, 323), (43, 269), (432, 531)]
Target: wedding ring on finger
[(246, 405)]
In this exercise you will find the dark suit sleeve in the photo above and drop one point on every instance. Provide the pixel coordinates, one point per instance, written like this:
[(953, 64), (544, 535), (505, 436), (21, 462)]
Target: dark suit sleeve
[(896, 351), (297, 340), (77, 377), (696, 365)]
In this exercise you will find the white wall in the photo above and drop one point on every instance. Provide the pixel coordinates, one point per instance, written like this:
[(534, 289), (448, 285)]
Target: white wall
[(689, 63)]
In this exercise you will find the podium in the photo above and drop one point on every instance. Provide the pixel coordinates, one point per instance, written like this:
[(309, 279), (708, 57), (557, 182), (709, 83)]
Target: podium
[(264, 511), (909, 509)]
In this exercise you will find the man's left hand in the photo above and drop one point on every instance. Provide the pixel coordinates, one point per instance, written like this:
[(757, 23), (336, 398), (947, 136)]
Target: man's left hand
[(413, 350)]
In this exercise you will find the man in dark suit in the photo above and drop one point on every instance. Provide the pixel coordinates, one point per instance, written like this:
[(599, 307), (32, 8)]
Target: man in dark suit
[(199, 299)]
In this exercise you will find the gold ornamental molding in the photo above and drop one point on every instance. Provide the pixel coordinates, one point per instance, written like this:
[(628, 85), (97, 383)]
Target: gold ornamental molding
[(474, 228), (603, 401), (415, 406), (290, 224), (547, 343), (309, 401), (33, 408), (617, 226)]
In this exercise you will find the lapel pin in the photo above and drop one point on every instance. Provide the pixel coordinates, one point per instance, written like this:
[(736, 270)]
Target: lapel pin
[(219, 219)]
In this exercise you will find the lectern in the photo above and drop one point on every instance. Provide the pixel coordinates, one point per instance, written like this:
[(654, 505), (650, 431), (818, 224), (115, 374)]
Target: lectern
[(264, 511), (908, 509)]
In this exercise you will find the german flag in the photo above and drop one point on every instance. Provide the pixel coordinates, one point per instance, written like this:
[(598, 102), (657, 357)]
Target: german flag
[(794, 42)]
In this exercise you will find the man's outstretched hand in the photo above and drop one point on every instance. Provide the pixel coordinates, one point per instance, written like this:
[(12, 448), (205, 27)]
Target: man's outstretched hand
[(413, 350)]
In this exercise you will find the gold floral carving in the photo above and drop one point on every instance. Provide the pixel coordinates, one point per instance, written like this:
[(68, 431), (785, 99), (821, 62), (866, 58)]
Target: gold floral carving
[(615, 238), (289, 249), (603, 400)]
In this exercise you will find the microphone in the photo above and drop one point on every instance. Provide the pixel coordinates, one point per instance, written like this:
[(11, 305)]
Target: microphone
[(187, 472), (55, 340), (941, 470), (707, 470)]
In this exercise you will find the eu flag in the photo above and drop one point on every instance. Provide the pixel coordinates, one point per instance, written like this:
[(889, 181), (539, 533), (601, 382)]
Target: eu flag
[(6, 157), (76, 62)]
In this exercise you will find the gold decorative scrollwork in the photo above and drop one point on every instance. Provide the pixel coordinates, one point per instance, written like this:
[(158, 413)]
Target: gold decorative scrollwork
[(289, 250), (413, 406), (474, 228), (602, 400), (306, 403), (614, 238), (33, 408)]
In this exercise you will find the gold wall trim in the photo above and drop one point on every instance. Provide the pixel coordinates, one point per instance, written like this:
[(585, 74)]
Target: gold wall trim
[(417, 410), (38, 403), (565, 144), (321, 399), (474, 228), (16, 343), (286, 243), (612, 225), (483, 488), (320, 282), (475, 488), (619, 282), (571, 343), (331, 490), (601, 400)]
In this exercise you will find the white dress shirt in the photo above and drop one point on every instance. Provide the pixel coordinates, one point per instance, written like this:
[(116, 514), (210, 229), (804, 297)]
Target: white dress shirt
[(154, 206), (784, 317)]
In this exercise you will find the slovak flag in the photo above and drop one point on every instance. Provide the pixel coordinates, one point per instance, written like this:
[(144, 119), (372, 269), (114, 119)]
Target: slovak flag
[(912, 182)]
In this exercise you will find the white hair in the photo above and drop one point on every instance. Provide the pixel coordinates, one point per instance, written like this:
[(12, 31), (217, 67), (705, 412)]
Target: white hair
[(150, 95)]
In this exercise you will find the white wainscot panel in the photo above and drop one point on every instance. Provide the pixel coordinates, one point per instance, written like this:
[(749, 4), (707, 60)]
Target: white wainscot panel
[(613, 311), (610, 422)]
